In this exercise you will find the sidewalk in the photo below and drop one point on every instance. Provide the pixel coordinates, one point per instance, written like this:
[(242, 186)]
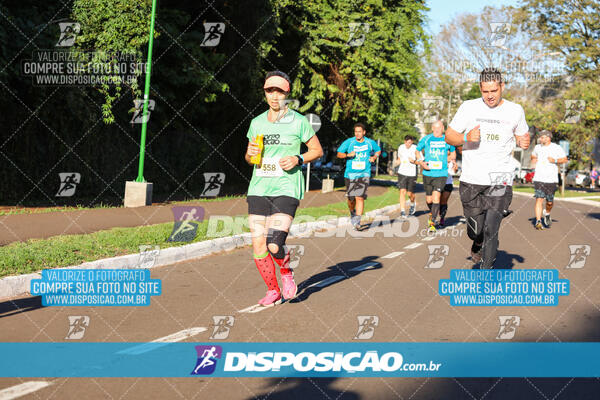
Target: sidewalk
[(21, 227)]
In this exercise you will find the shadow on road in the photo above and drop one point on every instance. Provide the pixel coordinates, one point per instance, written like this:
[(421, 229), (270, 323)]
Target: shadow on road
[(12, 307), (505, 260), (333, 274), (304, 388)]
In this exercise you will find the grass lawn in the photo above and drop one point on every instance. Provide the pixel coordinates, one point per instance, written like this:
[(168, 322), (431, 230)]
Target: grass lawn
[(61, 251), (568, 193)]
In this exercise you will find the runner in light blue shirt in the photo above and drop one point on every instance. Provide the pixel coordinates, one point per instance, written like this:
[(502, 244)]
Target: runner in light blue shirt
[(359, 153)]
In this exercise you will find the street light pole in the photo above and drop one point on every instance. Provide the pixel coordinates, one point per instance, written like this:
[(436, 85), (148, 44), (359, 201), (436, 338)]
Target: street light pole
[(140, 177)]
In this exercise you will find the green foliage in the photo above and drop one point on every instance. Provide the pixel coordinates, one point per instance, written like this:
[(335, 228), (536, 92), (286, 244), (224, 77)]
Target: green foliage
[(371, 82), (570, 27)]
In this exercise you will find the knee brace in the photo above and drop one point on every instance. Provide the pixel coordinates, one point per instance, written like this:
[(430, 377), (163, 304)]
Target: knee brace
[(277, 238)]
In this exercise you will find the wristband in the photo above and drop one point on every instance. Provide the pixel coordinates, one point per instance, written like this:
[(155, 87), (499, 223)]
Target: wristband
[(300, 159), (465, 137)]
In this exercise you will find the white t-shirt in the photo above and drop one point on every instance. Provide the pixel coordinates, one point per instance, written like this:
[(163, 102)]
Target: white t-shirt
[(544, 170), (490, 158), (406, 167), (449, 180)]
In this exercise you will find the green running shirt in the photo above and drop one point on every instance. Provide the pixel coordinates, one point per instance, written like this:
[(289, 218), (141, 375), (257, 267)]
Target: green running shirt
[(282, 138)]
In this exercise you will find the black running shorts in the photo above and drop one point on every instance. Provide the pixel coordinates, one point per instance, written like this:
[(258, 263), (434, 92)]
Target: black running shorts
[(407, 182), (431, 183), (269, 205), (357, 187)]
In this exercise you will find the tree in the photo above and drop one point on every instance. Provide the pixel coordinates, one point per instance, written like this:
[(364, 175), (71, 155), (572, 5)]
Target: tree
[(571, 27), (355, 60)]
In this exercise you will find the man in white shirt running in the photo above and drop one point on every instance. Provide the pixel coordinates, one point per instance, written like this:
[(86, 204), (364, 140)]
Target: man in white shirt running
[(407, 174), (487, 128), (545, 159)]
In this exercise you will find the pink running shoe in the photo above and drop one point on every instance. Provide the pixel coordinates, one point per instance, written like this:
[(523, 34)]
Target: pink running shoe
[(289, 288), (272, 298)]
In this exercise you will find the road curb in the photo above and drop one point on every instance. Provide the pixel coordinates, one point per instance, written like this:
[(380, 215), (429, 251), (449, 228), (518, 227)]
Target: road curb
[(16, 286)]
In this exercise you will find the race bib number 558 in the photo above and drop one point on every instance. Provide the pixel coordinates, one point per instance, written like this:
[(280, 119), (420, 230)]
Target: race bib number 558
[(270, 168)]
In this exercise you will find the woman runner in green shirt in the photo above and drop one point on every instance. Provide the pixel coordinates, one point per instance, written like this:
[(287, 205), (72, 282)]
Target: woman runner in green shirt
[(277, 184)]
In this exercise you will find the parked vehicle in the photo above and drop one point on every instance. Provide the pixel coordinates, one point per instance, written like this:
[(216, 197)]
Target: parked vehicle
[(577, 178), (525, 175)]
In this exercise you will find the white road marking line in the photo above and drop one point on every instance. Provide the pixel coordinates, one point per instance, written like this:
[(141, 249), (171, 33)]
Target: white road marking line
[(175, 337), (413, 246), (369, 265), (428, 238), (394, 254), (255, 308), (22, 389)]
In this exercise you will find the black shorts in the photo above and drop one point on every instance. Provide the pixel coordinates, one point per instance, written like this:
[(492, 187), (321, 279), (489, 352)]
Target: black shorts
[(476, 199), (545, 190), (269, 205), (357, 187), (448, 187), (431, 183), (407, 182)]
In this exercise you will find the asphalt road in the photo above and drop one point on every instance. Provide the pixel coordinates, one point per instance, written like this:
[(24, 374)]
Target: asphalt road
[(342, 277)]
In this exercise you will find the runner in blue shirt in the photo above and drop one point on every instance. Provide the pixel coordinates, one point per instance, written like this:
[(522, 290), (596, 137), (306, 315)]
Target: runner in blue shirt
[(359, 153), (435, 169)]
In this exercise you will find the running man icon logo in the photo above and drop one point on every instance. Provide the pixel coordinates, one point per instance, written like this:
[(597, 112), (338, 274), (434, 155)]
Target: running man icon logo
[(186, 223), (357, 188), (354, 28), (573, 110), (148, 256), (579, 254), (222, 324), (286, 117), (213, 181), (432, 109), (499, 181), (366, 326), (437, 255), (68, 33), (138, 112), (296, 252), (212, 33), (498, 34), (314, 121), (207, 359), (77, 326), (68, 183), (508, 326)]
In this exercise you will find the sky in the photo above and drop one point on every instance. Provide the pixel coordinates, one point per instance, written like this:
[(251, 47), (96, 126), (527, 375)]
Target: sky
[(443, 11)]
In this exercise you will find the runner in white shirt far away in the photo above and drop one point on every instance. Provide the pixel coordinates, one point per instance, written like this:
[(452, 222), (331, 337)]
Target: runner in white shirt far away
[(545, 159), (407, 174), (487, 128)]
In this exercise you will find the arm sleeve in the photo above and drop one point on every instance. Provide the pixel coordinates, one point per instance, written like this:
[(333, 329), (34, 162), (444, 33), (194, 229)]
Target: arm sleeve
[(522, 127), (459, 122), (306, 130), (421, 144), (344, 146)]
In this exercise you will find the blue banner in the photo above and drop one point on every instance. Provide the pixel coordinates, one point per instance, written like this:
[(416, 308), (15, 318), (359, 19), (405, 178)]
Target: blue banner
[(95, 287), (299, 359), (504, 287)]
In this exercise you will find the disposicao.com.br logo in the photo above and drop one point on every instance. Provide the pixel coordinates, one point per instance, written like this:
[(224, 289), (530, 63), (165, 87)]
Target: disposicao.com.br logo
[(315, 363)]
